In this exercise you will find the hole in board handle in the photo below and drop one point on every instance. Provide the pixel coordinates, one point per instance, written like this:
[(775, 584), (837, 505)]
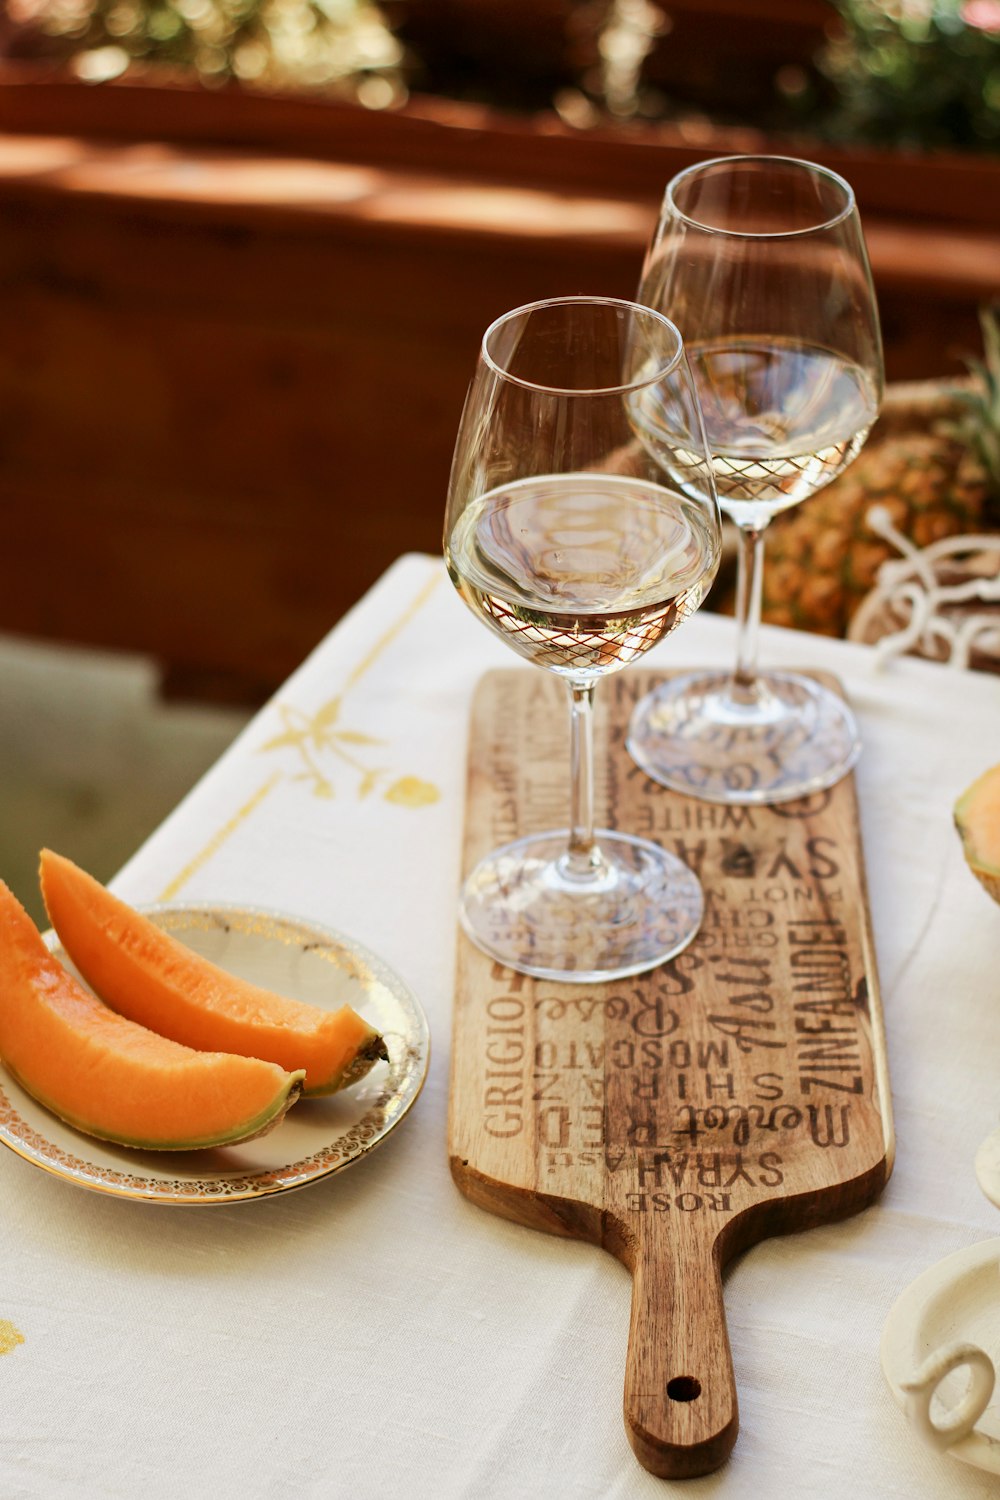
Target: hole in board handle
[(683, 1388)]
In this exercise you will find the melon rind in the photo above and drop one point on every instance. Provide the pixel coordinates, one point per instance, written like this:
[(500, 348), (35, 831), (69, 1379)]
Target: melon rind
[(238, 1135), (977, 818), (146, 974)]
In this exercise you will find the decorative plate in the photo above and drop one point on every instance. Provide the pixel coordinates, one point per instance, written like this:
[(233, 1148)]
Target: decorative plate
[(317, 1137), (940, 1346)]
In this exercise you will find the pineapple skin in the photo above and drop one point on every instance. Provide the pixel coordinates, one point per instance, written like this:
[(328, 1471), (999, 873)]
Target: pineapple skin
[(822, 558)]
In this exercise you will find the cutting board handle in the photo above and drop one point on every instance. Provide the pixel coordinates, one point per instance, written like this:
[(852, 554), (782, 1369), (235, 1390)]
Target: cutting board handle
[(681, 1410)]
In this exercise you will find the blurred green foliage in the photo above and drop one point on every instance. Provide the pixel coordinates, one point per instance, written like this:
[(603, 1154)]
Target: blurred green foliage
[(340, 46), (922, 73)]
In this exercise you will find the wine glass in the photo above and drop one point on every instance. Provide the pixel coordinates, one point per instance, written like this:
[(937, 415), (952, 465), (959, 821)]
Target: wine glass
[(761, 262), (563, 536)]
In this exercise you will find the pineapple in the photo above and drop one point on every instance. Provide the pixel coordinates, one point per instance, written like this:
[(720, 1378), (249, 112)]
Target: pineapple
[(933, 461)]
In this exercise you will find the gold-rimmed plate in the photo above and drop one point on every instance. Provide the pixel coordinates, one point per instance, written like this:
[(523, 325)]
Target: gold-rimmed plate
[(317, 1137)]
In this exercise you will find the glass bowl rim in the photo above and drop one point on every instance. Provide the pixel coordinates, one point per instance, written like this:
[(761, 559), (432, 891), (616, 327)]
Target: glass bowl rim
[(618, 389), (810, 167)]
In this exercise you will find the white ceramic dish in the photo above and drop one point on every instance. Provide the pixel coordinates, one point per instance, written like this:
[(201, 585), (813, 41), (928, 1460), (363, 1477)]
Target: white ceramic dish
[(317, 1137), (949, 1318)]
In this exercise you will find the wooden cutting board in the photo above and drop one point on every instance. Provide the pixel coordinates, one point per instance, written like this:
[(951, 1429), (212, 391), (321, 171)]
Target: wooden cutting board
[(674, 1118)]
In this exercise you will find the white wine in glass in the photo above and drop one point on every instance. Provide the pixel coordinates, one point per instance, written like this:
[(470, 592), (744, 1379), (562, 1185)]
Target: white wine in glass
[(785, 417), (582, 573), (566, 538), (761, 262)]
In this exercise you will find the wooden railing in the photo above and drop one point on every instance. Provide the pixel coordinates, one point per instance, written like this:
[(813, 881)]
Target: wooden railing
[(236, 336)]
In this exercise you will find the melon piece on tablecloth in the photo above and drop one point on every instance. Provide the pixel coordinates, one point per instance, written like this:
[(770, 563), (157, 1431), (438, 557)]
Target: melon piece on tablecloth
[(977, 818), (149, 976), (111, 1078)]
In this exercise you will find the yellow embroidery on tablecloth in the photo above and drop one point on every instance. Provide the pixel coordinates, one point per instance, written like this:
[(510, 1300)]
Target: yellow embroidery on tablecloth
[(10, 1337), (219, 838), (406, 791), (311, 734), (410, 791), (417, 603)]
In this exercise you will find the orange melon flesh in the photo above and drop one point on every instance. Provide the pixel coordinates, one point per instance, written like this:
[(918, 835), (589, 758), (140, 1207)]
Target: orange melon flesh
[(111, 1078), (149, 976), (977, 817)]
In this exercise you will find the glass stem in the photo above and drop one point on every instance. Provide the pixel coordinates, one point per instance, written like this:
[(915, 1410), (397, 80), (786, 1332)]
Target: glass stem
[(583, 859), (745, 687)]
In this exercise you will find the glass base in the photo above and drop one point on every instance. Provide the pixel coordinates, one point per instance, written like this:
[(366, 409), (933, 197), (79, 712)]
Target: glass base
[(525, 907), (793, 738)]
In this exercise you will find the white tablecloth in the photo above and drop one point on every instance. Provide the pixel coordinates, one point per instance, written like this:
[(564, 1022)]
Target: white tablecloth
[(375, 1335)]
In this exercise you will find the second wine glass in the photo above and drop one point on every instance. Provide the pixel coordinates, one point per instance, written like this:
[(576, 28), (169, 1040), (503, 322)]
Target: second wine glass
[(761, 262)]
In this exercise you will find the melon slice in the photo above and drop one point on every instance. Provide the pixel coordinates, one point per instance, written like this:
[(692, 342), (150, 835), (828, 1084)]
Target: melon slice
[(977, 818), (111, 1078), (149, 976)]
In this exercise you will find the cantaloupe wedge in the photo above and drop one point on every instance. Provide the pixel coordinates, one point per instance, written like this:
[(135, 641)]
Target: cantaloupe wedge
[(977, 818), (111, 1078), (149, 976)]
